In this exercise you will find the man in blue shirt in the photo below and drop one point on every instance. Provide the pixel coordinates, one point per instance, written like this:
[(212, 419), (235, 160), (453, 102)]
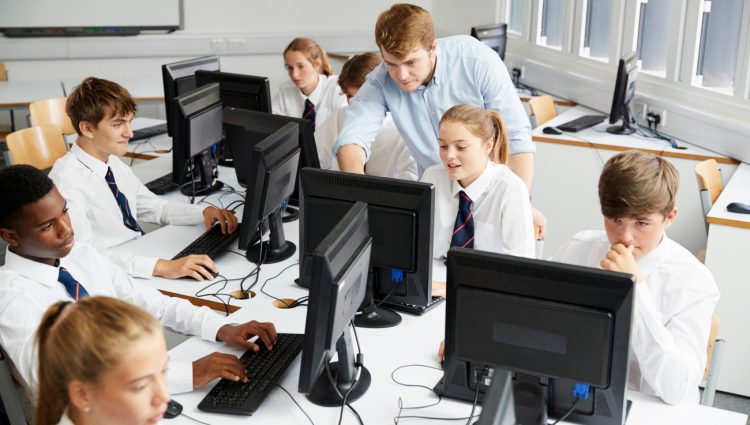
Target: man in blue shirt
[(422, 77)]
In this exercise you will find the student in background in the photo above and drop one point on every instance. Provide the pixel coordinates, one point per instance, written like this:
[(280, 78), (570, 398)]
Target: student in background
[(44, 265), (675, 294), (390, 157), (479, 202), (105, 198), (101, 361), (311, 91)]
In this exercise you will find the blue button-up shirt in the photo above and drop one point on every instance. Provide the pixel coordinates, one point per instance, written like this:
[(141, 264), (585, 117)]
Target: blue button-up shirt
[(466, 71)]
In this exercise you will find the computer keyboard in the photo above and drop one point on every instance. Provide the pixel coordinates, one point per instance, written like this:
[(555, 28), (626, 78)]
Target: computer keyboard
[(162, 185), (211, 243), (264, 369), (580, 123), (146, 132), (415, 309)]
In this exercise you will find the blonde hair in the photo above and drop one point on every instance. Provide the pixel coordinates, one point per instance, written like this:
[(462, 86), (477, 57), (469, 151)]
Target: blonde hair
[(94, 332), (356, 69), (486, 124), (404, 28), (312, 51), (634, 184)]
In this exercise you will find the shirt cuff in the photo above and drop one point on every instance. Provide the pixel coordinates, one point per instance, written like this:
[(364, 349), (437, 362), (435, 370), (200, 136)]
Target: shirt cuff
[(143, 267), (522, 144), (211, 325), (180, 376), (361, 144)]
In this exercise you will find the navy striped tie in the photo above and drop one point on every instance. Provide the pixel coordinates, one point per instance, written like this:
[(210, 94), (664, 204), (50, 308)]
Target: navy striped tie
[(75, 289), (122, 202), (309, 112), (463, 230)]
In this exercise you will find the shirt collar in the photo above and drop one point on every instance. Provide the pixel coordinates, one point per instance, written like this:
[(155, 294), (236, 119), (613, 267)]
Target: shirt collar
[(654, 258), (478, 187), (316, 94), (36, 271), (96, 166)]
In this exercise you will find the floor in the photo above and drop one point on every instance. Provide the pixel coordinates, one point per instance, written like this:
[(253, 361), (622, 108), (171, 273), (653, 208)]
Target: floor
[(732, 402)]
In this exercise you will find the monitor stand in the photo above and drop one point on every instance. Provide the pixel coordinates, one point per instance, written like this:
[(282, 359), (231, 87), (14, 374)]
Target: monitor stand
[(205, 183), (625, 128), (226, 159), (344, 376), (370, 315), (276, 249)]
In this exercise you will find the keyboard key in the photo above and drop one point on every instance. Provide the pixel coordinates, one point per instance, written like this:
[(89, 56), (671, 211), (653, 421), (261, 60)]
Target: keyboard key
[(211, 243)]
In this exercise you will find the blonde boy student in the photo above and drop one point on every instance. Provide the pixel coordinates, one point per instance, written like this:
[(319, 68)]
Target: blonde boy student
[(675, 295)]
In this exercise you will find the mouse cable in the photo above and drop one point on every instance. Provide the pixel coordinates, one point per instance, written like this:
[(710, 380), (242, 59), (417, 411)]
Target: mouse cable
[(263, 291), (565, 416), (222, 280), (476, 399), (295, 402), (194, 420)]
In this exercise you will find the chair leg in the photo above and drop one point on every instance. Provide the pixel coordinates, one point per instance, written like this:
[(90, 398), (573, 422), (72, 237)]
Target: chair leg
[(709, 391)]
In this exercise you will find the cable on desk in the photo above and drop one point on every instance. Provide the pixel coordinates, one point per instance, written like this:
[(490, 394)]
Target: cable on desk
[(223, 280), (476, 398), (565, 416), (359, 365), (301, 301), (295, 402), (194, 420)]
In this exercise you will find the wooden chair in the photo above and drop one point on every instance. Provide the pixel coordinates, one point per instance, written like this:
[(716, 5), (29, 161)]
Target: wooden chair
[(542, 108), (714, 353), (709, 184), (52, 112), (3, 72), (38, 146)]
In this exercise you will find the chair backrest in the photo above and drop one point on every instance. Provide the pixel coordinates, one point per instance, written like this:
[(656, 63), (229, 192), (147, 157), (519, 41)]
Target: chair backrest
[(709, 178), (543, 108), (3, 72), (51, 112), (712, 336), (38, 146)]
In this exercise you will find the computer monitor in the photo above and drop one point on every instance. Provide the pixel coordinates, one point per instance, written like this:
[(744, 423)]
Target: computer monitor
[(244, 129), (400, 216), (339, 264), (627, 73), (493, 35), (197, 118), (179, 78), (553, 325), (272, 171)]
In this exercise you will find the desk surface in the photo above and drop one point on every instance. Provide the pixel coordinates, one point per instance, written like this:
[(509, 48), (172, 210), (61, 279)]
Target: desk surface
[(142, 89), (598, 137), (21, 93), (525, 95), (736, 190)]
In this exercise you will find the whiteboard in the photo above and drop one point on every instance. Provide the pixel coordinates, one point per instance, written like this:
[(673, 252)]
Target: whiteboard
[(152, 14)]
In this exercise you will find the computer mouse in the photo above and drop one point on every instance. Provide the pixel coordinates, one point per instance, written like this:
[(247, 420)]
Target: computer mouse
[(552, 130), (173, 409), (738, 207)]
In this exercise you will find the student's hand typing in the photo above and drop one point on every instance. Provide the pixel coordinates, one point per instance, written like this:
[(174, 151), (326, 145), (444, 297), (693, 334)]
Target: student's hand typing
[(540, 223), (238, 335), (620, 259), (217, 365), (199, 267), (226, 219), (438, 288)]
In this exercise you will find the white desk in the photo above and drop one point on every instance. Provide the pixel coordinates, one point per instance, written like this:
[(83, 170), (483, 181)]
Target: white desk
[(142, 89), (18, 94), (726, 257)]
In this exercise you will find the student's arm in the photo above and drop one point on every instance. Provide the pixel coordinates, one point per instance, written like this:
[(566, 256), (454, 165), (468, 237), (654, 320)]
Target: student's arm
[(364, 120), (20, 316)]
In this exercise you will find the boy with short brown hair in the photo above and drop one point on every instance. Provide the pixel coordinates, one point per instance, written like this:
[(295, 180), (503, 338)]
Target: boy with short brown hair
[(675, 295)]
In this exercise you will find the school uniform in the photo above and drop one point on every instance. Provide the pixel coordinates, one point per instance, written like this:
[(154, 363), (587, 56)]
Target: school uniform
[(501, 211), (327, 98), (671, 315), (390, 157), (94, 211), (28, 288)]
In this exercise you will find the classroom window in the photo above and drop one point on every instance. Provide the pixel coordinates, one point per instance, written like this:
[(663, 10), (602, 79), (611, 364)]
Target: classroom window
[(515, 16), (552, 23), (654, 23), (597, 25), (718, 44)]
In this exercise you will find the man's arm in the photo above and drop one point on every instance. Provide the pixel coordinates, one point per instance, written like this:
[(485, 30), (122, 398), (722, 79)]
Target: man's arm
[(522, 164), (351, 159)]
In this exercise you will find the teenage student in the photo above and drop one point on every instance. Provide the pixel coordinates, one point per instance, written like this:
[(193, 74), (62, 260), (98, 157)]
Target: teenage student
[(479, 202), (43, 265), (675, 294), (422, 77), (390, 156), (105, 198), (311, 91), (101, 361)]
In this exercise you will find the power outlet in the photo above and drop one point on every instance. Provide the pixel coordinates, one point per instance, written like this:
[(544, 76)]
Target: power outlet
[(662, 113)]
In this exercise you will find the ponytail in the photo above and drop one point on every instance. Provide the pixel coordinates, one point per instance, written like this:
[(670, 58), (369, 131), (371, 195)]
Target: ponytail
[(499, 152)]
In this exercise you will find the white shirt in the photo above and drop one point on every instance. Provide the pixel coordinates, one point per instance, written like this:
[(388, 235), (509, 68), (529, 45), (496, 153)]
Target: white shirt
[(389, 157), (65, 420), (95, 215), (501, 210), (28, 288), (671, 315), (327, 98)]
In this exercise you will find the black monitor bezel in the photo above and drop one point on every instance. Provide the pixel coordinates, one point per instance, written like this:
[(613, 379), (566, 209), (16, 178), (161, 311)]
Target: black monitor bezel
[(495, 36), (174, 72)]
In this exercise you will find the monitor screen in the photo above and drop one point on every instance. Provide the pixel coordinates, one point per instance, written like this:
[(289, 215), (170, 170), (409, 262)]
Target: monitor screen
[(197, 118), (627, 73), (553, 325), (179, 78), (340, 264), (493, 35), (401, 215)]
